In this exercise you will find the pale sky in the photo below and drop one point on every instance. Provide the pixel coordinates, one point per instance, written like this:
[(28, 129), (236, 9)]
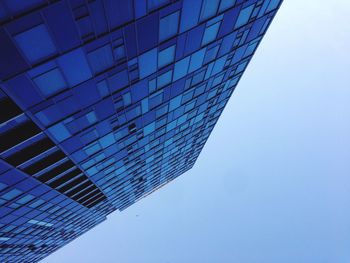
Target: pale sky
[(272, 184)]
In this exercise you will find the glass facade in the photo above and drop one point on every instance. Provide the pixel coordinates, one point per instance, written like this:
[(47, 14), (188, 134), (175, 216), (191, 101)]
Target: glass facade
[(102, 102)]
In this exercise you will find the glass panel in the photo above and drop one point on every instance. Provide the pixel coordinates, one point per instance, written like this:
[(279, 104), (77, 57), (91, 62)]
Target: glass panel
[(12, 194), (197, 60), (209, 8), (225, 4), (101, 59), (50, 82), (36, 43), (20, 5), (166, 56), (164, 79), (244, 16), (59, 132), (210, 33), (102, 88), (149, 128), (273, 4), (148, 63), (73, 61), (168, 26), (153, 4), (181, 68), (190, 14)]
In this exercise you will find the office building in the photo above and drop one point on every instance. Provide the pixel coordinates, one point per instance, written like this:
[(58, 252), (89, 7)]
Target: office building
[(104, 101)]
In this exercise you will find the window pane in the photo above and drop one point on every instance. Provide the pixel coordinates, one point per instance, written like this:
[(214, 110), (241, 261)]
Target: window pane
[(20, 5), (210, 33), (181, 67), (102, 88), (168, 26), (50, 83), (153, 4), (149, 128), (244, 16), (73, 61), (166, 56), (273, 4), (36, 43), (12, 194), (101, 59), (2, 186), (209, 8), (148, 63), (59, 132), (225, 4), (190, 14), (197, 60), (164, 79)]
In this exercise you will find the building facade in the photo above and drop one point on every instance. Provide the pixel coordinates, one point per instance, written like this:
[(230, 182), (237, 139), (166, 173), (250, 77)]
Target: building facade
[(102, 102)]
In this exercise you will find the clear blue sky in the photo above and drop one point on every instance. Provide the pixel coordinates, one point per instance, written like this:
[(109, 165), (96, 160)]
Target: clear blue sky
[(272, 184)]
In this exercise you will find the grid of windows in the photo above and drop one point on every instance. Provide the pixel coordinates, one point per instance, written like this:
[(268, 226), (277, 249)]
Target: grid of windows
[(106, 101)]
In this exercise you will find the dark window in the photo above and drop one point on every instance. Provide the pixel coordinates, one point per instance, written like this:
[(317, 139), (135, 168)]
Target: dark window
[(31, 151), (17, 135), (8, 110), (45, 162), (55, 171)]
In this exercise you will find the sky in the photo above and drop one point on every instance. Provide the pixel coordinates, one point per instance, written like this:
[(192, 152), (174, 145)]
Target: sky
[(272, 184)]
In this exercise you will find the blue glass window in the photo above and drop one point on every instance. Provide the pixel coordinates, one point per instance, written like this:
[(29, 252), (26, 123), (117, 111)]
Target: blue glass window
[(2, 186), (273, 5), (250, 49), (181, 67), (219, 65), (164, 79), (175, 102), (119, 52), (133, 113), (152, 85), (25, 199), (210, 33), (209, 8), (166, 56), (107, 140), (39, 223), (140, 8), (244, 16), (36, 43), (198, 77), (118, 80), (161, 111), (211, 54), (71, 62), (154, 4), (102, 88), (197, 60), (241, 67), (226, 4), (156, 99), (101, 58), (149, 128), (91, 117), (91, 149), (20, 5), (11, 194), (50, 82), (127, 99), (144, 105), (190, 14), (59, 132), (148, 63), (168, 26)]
